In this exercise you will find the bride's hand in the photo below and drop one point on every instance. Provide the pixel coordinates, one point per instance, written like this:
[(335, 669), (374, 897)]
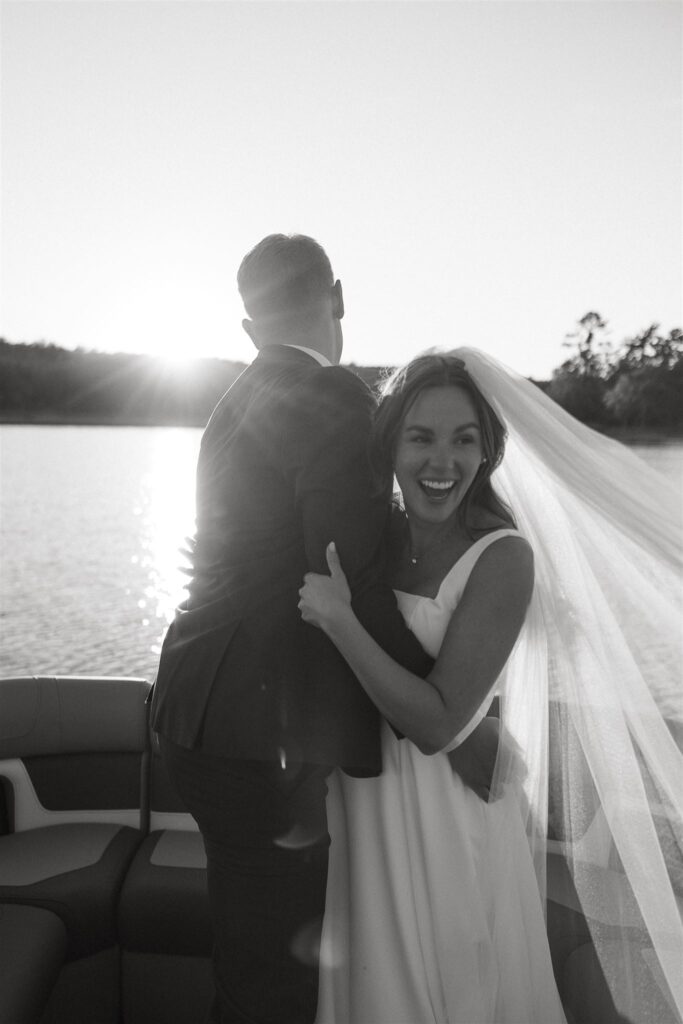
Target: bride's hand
[(325, 599)]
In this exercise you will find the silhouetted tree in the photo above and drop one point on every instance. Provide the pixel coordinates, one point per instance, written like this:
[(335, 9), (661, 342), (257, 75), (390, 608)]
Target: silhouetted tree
[(638, 383), (578, 385), (650, 349), (648, 396), (646, 388), (592, 348)]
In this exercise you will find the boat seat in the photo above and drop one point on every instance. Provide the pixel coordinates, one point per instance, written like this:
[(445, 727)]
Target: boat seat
[(72, 758), (164, 921), (71, 749), (32, 949), (74, 870), (164, 903), (164, 906)]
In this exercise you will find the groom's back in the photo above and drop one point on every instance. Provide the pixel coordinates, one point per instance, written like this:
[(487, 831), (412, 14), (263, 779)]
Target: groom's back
[(241, 674), (248, 533)]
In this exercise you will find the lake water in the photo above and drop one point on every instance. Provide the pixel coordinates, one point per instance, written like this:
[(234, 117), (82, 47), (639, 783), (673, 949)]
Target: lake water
[(91, 522)]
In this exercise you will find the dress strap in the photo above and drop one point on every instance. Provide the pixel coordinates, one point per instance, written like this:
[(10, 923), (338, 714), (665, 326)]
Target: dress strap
[(484, 542), (464, 565)]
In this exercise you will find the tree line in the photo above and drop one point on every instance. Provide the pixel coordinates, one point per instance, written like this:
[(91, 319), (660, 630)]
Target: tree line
[(43, 383), (638, 383)]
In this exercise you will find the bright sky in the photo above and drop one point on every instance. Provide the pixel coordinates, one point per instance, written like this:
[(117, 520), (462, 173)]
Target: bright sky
[(479, 172)]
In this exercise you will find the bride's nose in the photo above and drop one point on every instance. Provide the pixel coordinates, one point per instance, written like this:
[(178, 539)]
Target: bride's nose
[(443, 457)]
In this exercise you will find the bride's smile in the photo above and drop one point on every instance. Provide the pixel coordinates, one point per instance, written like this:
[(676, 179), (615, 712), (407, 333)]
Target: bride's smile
[(438, 454), (437, 490)]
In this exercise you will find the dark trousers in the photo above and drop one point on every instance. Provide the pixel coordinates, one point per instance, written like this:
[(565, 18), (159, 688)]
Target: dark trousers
[(265, 832)]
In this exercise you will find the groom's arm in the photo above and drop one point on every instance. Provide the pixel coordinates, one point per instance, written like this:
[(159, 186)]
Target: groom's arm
[(338, 502)]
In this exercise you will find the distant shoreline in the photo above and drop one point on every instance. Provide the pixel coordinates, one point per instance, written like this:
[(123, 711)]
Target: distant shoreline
[(55, 419), (639, 435), (626, 434)]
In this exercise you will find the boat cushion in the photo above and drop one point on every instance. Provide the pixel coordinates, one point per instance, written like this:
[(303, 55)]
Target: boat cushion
[(33, 945), (68, 714), (76, 871), (164, 905)]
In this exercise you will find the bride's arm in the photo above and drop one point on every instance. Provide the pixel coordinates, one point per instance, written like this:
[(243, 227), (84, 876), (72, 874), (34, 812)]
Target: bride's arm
[(477, 643)]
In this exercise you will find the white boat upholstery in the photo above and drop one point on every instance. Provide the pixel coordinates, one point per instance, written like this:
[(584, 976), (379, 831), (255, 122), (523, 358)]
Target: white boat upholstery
[(30, 813)]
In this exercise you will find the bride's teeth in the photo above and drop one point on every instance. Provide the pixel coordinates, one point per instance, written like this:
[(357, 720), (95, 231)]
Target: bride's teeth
[(437, 489)]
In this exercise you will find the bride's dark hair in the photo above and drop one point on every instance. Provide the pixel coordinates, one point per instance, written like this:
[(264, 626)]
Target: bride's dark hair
[(397, 394)]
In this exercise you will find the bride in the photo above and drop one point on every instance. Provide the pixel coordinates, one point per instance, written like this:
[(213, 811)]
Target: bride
[(556, 592)]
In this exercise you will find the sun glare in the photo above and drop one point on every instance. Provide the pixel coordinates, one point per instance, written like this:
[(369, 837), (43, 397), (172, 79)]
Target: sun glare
[(178, 363)]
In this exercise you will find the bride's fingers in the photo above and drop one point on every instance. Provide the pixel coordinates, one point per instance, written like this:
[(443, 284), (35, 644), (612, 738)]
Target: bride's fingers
[(333, 560)]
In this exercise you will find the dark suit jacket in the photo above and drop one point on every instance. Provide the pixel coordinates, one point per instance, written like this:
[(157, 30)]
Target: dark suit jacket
[(282, 471)]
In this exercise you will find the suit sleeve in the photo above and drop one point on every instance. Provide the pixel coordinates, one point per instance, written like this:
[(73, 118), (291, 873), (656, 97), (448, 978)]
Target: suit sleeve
[(334, 491)]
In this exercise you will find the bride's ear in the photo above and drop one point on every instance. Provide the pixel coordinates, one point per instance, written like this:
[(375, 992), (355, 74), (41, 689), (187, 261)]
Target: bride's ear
[(248, 326)]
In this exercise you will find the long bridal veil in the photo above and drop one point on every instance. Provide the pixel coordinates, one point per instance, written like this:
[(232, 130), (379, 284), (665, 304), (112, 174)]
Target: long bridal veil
[(593, 698)]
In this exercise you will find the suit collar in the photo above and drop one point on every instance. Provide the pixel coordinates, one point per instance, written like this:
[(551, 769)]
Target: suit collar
[(289, 354), (313, 353)]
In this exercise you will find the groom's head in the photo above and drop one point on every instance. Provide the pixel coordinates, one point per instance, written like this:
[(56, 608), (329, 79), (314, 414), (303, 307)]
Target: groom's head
[(291, 296)]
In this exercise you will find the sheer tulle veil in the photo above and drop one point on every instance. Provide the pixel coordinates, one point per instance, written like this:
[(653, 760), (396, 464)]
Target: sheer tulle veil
[(592, 696)]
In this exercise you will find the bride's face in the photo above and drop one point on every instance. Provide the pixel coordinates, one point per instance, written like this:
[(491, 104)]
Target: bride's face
[(438, 453)]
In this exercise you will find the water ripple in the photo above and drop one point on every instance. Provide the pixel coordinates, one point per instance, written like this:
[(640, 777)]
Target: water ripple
[(92, 523)]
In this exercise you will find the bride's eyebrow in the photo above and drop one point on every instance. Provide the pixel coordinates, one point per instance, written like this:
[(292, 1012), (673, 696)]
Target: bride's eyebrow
[(430, 430), (417, 428)]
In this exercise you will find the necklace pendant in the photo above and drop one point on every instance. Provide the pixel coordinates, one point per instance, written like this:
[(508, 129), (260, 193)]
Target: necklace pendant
[(413, 560)]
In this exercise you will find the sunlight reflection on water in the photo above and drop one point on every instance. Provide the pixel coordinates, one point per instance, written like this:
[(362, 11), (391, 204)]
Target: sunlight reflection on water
[(167, 520), (92, 523)]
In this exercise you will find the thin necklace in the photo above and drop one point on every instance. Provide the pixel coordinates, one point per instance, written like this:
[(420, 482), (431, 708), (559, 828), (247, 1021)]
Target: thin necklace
[(414, 559)]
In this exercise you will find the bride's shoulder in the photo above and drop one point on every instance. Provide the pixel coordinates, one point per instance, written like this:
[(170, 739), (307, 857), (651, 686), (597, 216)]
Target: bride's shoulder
[(506, 542), (496, 570), (504, 554)]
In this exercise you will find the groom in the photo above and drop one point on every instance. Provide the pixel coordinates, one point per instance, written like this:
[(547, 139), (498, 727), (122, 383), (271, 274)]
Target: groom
[(254, 707)]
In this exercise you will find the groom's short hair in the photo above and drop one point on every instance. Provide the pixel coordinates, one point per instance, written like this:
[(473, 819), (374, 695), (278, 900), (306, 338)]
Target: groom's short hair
[(284, 276)]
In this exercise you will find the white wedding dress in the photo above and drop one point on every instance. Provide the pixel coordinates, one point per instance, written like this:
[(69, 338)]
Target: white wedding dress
[(433, 911)]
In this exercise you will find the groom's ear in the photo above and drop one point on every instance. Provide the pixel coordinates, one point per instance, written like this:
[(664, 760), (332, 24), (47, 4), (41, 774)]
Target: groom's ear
[(248, 326), (337, 301)]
